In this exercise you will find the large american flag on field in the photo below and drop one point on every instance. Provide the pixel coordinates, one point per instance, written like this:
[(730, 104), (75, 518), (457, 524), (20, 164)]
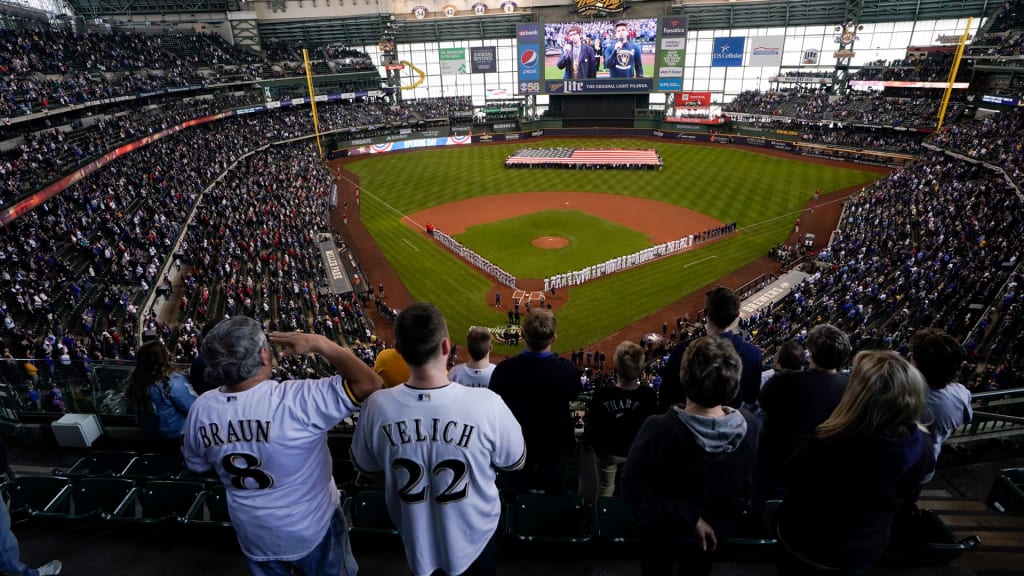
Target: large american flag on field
[(584, 156)]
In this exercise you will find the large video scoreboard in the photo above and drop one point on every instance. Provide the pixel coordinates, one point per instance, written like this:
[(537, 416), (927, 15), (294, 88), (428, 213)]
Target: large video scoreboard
[(637, 55)]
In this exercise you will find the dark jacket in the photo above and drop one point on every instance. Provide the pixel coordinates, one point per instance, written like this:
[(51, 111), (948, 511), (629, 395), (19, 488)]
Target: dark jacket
[(675, 474), (794, 403), (842, 494), (750, 380), (537, 389)]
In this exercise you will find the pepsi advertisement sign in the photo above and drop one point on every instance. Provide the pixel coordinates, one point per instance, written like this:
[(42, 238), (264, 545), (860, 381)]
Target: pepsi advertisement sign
[(728, 52), (529, 63)]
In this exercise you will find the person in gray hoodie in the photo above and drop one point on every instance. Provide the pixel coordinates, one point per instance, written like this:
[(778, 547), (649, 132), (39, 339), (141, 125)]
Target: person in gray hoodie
[(689, 471)]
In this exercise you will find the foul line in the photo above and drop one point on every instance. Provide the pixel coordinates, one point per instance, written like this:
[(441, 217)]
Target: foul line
[(699, 261), (410, 244)]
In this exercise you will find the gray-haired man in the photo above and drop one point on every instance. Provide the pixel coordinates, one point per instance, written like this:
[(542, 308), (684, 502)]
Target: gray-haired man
[(267, 441)]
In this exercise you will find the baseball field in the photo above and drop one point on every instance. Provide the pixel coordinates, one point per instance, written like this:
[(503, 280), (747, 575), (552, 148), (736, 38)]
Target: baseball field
[(535, 223)]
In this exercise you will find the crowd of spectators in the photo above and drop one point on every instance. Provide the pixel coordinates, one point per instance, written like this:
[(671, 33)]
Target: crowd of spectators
[(43, 157), (867, 108), (934, 67), (994, 139), (45, 67), (77, 269), (921, 247)]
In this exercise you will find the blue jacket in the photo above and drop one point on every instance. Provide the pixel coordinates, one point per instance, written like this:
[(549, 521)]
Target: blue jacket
[(170, 409)]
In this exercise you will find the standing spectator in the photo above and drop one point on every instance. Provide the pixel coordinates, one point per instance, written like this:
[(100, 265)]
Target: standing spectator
[(795, 403), (722, 309), (868, 459), (477, 372), (160, 396), (267, 441), (538, 386), (615, 415), (391, 368), (947, 403), (439, 446), (689, 472)]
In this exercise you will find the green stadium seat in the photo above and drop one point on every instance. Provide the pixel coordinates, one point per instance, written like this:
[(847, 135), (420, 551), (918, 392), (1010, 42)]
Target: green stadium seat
[(614, 520), (922, 538), (99, 464), (149, 467), (162, 501), (209, 478), (562, 518), (31, 494), (213, 509), (369, 513), (91, 499)]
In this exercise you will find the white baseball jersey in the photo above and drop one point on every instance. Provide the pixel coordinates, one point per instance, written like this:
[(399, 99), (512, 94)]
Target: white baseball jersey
[(268, 444), (472, 377), (439, 450)]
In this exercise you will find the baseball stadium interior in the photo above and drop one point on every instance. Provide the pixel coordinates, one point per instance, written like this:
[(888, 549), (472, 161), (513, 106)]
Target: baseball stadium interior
[(170, 164)]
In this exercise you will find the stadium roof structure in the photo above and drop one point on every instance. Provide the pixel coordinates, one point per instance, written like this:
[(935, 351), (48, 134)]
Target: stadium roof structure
[(715, 14), (702, 15)]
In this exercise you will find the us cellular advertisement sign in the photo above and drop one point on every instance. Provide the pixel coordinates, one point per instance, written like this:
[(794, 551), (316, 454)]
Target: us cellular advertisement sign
[(727, 51)]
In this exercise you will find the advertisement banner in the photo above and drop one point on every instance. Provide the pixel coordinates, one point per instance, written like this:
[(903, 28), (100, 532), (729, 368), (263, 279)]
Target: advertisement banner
[(593, 86), (483, 59), (530, 57), (766, 51), (693, 100), (671, 54), (453, 60), (810, 57), (727, 51), (880, 84)]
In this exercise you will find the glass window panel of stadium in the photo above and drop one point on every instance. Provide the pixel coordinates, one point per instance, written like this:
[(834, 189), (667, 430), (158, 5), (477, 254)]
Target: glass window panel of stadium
[(882, 41)]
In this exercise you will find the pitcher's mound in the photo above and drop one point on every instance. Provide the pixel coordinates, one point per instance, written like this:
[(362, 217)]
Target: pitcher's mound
[(550, 242)]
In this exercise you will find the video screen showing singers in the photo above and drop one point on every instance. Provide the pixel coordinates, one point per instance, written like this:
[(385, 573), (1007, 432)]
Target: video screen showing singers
[(600, 49)]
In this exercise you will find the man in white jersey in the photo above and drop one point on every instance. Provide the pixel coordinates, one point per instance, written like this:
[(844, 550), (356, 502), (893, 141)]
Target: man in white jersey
[(477, 372), (267, 441), (439, 446)]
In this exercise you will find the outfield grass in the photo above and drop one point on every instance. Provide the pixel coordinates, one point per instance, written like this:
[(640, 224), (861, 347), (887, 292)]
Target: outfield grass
[(591, 240), (763, 194)]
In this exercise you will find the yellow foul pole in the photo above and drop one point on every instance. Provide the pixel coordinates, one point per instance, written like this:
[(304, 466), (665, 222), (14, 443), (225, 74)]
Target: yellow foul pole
[(952, 72), (312, 101)]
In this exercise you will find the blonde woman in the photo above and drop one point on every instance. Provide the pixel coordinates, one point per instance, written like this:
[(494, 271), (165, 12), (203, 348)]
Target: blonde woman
[(865, 461)]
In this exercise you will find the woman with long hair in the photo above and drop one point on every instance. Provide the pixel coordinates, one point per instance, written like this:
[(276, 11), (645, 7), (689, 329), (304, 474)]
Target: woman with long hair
[(865, 461), (159, 395)]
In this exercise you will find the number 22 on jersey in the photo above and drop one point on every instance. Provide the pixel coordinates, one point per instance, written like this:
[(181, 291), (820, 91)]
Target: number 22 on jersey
[(411, 492)]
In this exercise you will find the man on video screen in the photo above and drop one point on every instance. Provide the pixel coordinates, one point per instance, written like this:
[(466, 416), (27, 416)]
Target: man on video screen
[(624, 60), (578, 58)]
